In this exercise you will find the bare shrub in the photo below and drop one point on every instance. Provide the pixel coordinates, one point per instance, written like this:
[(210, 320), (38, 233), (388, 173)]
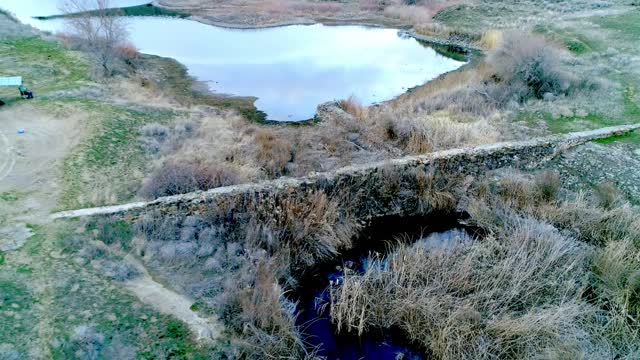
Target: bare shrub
[(352, 106), (531, 66), (256, 307), (548, 184), (617, 277), (608, 195), (103, 33), (87, 342), (175, 178), (272, 153), (128, 52), (117, 270), (312, 225)]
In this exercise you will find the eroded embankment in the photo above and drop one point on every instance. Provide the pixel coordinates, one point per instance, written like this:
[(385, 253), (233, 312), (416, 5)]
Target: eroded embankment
[(467, 161)]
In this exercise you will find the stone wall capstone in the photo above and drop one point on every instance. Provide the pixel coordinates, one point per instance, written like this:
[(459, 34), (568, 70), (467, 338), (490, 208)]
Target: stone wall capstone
[(467, 162)]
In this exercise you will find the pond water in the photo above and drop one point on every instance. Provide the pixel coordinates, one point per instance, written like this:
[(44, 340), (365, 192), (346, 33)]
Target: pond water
[(290, 70), (437, 232)]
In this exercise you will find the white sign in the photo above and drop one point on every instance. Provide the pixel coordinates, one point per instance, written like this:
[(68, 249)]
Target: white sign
[(11, 81)]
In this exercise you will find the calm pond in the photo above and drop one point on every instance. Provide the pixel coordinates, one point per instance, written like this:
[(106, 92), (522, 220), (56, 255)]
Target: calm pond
[(290, 70)]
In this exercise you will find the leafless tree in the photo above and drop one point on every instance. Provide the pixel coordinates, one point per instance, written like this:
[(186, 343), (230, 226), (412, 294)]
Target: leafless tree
[(102, 32)]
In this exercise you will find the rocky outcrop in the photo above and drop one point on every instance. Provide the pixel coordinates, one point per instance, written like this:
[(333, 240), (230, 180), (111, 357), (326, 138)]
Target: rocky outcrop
[(467, 161)]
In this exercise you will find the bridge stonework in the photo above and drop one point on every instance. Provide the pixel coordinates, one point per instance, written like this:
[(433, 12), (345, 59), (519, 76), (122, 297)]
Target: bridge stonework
[(466, 161)]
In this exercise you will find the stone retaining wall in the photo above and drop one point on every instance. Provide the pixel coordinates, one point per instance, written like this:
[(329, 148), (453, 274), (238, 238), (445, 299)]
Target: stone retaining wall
[(468, 161)]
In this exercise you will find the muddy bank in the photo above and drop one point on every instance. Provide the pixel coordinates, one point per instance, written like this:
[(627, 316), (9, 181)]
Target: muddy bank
[(250, 16), (171, 76)]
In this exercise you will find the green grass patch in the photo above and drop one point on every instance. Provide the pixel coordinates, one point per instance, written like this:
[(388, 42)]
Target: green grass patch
[(108, 166), (16, 319), (33, 246), (86, 297), (449, 51), (45, 66), (138, 10), (624, 27), (10, 196), (575, 42), (562, 125), (12, 294), (632, 137), (24, 269), (112, 231)]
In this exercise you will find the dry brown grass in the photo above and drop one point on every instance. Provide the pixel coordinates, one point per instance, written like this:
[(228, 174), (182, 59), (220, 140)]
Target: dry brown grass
[(582, 213), (352, 106), (523, 290), (417, 13), (128, 52), (273, 152), (422, 134), (208, 148), (491, 39), (239, 258), (608, 195), (412, 14), (510, 295), (257, 308), (440, 31), (173, 178), (314, 226)]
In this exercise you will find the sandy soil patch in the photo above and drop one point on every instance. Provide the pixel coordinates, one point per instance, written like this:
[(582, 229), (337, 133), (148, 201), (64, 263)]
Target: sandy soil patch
[(32, 157), (30, 167), (170, 302)]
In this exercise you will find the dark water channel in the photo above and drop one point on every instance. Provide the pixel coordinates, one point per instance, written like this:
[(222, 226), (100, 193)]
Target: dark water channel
[(437, 231)]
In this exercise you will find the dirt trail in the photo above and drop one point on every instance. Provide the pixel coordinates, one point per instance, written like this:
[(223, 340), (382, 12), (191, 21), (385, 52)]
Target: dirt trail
[(31, 184), (169, 302), (30, 164), (8, 159)]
